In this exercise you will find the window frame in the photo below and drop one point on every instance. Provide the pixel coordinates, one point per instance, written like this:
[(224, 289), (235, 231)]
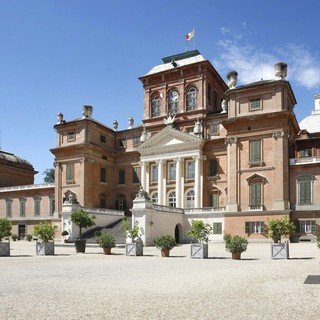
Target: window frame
[(155, 105), (136, 174), (255, 152), (173, 105), (37, 205), (191, 98), (172, 199), (217, 228), (190, 198), (9, 202), (190, 171), (255, 104), (71, 136), (154, 172), (70, 173), (122, 177), (171, 170), (103, 175), (255, 227), (22, 206), (302, 197)]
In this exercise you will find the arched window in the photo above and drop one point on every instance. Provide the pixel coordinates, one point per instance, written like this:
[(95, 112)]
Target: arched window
[(154, 197), (191, 99), (173, 102), (190, 199), (172, 199), (155, 105)]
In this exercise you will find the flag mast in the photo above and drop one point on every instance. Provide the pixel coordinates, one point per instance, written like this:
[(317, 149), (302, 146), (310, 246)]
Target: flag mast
[(189, 36)]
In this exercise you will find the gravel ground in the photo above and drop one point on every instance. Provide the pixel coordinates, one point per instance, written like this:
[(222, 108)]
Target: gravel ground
[(96, 286)]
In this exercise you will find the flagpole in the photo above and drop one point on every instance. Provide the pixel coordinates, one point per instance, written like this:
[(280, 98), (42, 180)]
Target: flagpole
[(194, 37)]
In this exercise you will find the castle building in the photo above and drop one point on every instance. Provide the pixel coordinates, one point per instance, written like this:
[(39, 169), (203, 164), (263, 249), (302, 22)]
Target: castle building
[(234, 156)]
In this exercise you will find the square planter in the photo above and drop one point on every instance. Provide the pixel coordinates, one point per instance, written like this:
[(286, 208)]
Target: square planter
[(280, 250), (4, 249), (199, 250), (45, 248), (134, 248)]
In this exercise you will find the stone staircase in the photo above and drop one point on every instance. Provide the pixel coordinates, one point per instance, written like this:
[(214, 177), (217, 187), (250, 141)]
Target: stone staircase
[(115, 229)]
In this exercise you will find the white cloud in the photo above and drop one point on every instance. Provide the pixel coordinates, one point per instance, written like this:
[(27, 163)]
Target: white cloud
[(253, 63)]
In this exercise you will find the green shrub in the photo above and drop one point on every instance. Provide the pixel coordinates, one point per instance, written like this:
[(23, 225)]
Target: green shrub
[(5, 228), (132, 233), (106, 240), (28, 237), (165, 242), (235, 243), (278, 228), (199, 231), (14, 237), (45, 231)]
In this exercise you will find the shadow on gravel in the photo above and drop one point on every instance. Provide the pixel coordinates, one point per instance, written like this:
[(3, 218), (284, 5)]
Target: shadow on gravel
[(302, 258)]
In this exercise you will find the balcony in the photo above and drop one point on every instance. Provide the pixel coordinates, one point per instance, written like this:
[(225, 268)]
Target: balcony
[(208, 210), (255, 207), (304, 161)]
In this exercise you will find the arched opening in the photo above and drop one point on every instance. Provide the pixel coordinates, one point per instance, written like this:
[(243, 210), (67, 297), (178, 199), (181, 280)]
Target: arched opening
[(178, 233)]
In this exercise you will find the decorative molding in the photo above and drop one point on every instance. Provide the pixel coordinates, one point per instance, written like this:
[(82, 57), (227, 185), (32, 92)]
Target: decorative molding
[(231, 140), (278, 134)]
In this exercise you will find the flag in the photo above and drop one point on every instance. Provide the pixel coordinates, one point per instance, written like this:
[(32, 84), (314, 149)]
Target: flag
[(190, 35)]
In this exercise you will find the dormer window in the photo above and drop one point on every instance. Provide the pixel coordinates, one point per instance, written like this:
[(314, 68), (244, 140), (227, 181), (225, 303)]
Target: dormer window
[(255, 105)]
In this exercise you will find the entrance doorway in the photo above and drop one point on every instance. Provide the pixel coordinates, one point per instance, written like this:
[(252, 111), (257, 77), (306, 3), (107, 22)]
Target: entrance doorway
[(177, 233), (22, 231)]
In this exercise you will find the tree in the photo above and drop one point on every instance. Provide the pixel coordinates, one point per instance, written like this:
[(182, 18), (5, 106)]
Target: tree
[(49, 175), (278, 228), (82, 220)]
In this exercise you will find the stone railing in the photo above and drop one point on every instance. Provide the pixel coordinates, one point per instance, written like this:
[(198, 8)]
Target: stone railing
[(104, 211), (27, 187), (306, 160), (159, 207), (204, 210)]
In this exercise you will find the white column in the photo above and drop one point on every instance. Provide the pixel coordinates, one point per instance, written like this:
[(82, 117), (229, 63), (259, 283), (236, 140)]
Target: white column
[(197, 182), (178, 182), (160, 182), (143, 175)]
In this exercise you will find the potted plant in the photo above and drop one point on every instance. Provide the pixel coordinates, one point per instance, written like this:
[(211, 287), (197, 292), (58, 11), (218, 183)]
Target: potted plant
[(276, 229), (14, 237), (134, 244), (236, 245), (29, 237), (5, 232), (65, 233), (45, 231), (82, 220), (199, 231), (165, 243), (106, 241)]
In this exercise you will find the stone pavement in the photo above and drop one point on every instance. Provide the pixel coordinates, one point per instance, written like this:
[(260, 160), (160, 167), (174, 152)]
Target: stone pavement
[(96, 286)]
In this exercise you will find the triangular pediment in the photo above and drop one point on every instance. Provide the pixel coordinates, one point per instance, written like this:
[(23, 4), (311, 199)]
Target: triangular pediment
[(170, 140)]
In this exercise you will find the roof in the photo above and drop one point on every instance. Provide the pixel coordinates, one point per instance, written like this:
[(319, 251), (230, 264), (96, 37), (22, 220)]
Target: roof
[(178, 60), (312, 122), (10, 157)]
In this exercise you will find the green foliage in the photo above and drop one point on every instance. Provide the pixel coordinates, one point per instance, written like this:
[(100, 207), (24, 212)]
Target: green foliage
[(97, 233), (82, 220), (5, 228), (14, 237), (318, 240), (106, 240), (49, 175), (45, 231), (29, 237), (132, 233), (199, 231), (278, 228), (165, 242), (235, 243)]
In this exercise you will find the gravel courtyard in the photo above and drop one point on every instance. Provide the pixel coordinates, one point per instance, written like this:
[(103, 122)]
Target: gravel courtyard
[(96, 286)]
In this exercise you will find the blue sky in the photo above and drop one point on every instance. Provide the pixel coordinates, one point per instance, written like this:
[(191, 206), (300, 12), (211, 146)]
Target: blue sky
[(58, 55)]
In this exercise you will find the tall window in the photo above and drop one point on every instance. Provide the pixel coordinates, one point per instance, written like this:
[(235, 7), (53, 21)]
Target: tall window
[(154, 173), (190, 169), (70, 172), (122, 177), (255, 195), (214, 129), (171, 171), (155, 105), (173, 102), (136, 175), (190, 199), (37, 205), (71, 136), (217, 228), (103, 174), (51, 205), (172, 199), (214, 200), (22, 202), (305, 189), (191, 99), (154, 197), (255, 227), (9, 207), (213, 169), (255, 151), (121, 203)]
